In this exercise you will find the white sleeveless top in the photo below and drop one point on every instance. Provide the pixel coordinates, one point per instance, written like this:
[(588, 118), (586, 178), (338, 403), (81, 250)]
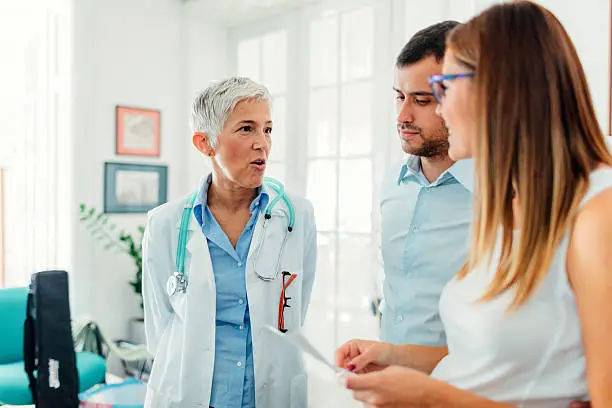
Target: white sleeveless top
[(532, 357)]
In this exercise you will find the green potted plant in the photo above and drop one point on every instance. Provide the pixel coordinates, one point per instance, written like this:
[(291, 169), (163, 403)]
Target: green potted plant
[(101, 228)]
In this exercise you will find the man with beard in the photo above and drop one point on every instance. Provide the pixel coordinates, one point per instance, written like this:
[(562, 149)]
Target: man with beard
[(425, 201)]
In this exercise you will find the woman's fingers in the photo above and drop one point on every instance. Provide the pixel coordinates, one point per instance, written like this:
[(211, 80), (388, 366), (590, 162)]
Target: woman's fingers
[(367, 357), (347, 352), (367, 397), (361, 382)]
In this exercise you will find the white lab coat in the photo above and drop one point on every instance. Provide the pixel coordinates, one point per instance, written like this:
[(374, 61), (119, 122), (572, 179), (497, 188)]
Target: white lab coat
[(180, 329)]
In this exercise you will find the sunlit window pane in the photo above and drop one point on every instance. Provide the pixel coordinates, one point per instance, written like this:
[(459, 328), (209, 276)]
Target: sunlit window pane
[(355, 186), (356, 271), (356, 124), (275, 61), (276, 170), (319, 329), (323, 290), (357, 44), (248, 58), (279, 132), (356, 325), (323, 123), (321, 190), (323, 55)]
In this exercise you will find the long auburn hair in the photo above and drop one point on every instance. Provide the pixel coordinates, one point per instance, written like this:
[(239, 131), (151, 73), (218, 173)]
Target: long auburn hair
[(538, 137)]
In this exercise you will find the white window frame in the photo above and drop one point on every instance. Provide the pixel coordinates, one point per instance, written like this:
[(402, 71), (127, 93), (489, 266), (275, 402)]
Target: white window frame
[(384, 142)]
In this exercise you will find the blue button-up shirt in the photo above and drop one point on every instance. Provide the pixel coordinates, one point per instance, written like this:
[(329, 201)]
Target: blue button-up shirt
[(424, 243), (233, 382)]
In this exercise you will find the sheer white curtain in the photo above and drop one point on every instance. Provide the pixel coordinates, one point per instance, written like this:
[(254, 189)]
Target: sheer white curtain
[(34, 137)]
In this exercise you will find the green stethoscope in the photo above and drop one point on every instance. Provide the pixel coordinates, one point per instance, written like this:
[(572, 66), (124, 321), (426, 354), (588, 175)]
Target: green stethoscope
[(177, 282)]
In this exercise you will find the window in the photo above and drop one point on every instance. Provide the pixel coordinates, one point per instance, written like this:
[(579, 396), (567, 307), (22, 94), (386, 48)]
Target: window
[(264, 59), (321, 67), (34, 132), (339, 182)]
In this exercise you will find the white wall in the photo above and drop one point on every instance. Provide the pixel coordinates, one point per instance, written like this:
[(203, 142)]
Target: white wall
[(144, 53)]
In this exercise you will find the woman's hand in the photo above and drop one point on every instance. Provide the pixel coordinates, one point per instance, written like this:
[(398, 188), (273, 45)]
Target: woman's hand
[(392, 387), (401, 387), (364, 356)]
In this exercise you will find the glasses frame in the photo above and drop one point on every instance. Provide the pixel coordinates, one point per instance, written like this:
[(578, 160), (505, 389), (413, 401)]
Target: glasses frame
[(284, 300), (439, 79)]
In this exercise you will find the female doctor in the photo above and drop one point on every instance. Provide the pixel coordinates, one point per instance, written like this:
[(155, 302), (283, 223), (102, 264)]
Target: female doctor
[(219, 265)]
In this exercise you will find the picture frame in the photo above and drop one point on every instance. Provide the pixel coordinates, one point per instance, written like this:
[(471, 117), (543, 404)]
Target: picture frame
[(137, 131), (134, 188)]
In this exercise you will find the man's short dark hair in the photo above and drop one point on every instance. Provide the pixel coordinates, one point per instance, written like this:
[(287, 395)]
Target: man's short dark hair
[(429, 42)]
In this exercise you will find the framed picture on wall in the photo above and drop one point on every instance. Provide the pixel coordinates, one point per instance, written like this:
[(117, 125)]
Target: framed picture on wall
[(134, 188), (137, 131)]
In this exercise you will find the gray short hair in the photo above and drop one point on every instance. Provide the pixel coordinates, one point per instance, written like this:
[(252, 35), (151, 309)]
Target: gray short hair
[(214, 104)]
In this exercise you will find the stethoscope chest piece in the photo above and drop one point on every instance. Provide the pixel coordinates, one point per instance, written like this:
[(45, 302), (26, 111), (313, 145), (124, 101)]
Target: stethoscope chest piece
[(177, 283)]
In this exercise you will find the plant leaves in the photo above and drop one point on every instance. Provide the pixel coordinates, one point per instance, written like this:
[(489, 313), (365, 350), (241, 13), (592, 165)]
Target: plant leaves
[(99, 227)]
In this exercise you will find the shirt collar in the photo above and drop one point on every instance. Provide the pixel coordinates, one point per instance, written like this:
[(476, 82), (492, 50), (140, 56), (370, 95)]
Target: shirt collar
[(462, 171), (260, 200), (411, 168)]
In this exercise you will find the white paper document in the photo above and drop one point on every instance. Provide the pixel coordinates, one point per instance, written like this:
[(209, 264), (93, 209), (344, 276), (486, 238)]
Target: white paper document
[(325, 387), (298, 340)]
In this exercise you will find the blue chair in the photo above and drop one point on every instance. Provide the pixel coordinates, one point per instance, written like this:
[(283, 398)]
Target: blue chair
[(13, 379)]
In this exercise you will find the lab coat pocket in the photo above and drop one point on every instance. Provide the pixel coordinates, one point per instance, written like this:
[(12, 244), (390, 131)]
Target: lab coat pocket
[(299, 391), (270, 246)]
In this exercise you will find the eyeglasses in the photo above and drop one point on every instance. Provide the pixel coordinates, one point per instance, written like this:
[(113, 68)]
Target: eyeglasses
[(284, 300), (436, 82)]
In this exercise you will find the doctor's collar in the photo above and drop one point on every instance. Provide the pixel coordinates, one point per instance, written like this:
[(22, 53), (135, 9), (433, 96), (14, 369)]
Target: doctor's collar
[(261, 197)]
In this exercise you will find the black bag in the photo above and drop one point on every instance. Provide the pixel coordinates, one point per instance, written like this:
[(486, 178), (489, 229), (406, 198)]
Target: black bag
[(48, 348)]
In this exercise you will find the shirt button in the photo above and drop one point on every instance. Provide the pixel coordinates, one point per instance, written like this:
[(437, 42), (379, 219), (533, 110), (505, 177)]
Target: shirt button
[(415, 229), (241, 327), (239, 364), (400, 318), (240, 264), (240, 301)]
